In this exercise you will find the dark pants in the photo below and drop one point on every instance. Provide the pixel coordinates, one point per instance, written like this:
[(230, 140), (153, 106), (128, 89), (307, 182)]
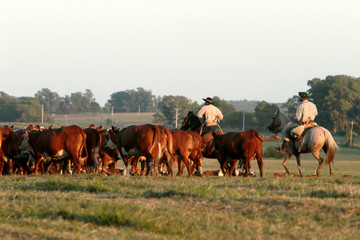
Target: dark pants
[(207, 129)]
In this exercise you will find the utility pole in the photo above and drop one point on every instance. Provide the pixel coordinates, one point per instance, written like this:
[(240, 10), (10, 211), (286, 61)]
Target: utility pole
[(176, 117), (351, 131), (112, 116), (42, 113), (243, 125)]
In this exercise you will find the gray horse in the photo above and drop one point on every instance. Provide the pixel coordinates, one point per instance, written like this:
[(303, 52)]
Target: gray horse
[(315, 139)]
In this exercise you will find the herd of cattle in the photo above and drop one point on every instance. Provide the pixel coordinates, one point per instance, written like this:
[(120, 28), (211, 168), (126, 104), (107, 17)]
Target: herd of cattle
[(144, 149)]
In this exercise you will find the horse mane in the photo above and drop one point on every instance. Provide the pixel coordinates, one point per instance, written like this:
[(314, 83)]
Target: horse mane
[(192, 122)]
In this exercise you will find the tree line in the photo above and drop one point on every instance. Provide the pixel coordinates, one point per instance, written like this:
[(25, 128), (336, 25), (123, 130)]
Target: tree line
[(336, 97)]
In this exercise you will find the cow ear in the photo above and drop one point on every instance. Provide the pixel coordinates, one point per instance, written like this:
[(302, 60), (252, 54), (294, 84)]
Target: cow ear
[(12, 127)]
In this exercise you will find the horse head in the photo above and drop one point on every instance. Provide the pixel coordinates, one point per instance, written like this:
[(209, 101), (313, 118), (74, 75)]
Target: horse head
[(278, 121), (191, 122)]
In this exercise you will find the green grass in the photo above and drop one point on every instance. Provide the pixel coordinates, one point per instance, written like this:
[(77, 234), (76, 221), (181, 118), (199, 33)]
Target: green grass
[(118, 207)]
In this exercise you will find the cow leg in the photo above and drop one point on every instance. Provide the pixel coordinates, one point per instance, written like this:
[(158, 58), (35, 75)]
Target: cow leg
[(187, 164), (126, 164), (37, 163), (134, 163), (181, 166), (224, 166), (197, 164), (143, 166), (260, 162), (232, 168), (1, 166)]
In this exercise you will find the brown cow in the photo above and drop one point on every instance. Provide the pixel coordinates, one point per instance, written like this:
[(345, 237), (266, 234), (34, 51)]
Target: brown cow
[(62, 143), (240, 145), (147, 140), (187, 145), (93, 143)]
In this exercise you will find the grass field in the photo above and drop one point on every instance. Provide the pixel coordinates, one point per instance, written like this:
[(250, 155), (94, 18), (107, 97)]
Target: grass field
[(117, 207), (122, 207)]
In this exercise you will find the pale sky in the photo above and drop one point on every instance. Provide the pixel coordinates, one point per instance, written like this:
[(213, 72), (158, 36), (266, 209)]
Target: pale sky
[(234, 49)]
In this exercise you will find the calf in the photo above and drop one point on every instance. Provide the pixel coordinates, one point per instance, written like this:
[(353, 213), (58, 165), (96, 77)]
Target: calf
[(187, 145), (240, 145)]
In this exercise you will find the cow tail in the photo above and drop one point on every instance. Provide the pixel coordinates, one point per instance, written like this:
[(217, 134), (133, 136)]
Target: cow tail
[(258, 135), (2, 154), (83, 152)]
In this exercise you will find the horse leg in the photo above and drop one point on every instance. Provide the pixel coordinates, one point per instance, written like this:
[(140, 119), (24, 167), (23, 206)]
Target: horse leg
[(284, 164), (331, 171), (320, 160), (298, 164)]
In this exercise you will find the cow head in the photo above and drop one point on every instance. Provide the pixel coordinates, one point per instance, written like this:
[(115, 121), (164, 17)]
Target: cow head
[(110, 138)]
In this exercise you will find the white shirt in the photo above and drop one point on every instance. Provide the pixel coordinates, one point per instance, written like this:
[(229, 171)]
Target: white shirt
[(306, 111), (212, 113)]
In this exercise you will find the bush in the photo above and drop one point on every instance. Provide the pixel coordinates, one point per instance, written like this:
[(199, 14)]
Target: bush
[(270, 152)]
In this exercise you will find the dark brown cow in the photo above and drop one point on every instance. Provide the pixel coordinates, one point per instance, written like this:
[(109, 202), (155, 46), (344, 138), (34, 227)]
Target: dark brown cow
[(9, 148), (62, 143), (240, 145), (147, 140), (93, 143), (187, 145)]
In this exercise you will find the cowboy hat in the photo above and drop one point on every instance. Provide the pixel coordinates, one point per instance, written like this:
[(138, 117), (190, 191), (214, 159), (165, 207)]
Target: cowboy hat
[(208, 100), (303, 94)]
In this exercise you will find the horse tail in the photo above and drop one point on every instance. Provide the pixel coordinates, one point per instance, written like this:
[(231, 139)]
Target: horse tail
[(330, 148), (258, 135)]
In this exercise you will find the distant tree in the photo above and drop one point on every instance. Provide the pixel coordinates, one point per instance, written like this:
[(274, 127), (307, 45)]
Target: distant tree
[(8, 108), (291, 105), (264, 111), (167, 109), (132, 101), (65, 105), (106, 108), (354, 115), (50, 100), (226, 108), (30, 109), (79, 104), (334, 97), (84, 102)]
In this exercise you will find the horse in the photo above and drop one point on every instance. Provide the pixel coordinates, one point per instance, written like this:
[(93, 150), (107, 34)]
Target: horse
[(192, 123), (315, 139)]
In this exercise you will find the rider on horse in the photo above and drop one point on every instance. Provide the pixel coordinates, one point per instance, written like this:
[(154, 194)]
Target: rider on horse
[(305, 115), (212, 115)]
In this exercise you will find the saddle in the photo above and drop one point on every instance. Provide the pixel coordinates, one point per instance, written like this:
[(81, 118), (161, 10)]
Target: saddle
[(300, 131)]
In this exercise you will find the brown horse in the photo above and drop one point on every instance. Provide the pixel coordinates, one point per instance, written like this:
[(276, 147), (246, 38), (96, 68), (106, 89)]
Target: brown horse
[(315, 139)]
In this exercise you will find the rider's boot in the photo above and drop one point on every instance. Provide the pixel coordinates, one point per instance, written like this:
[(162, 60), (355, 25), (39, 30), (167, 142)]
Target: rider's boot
[(284, 146)]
